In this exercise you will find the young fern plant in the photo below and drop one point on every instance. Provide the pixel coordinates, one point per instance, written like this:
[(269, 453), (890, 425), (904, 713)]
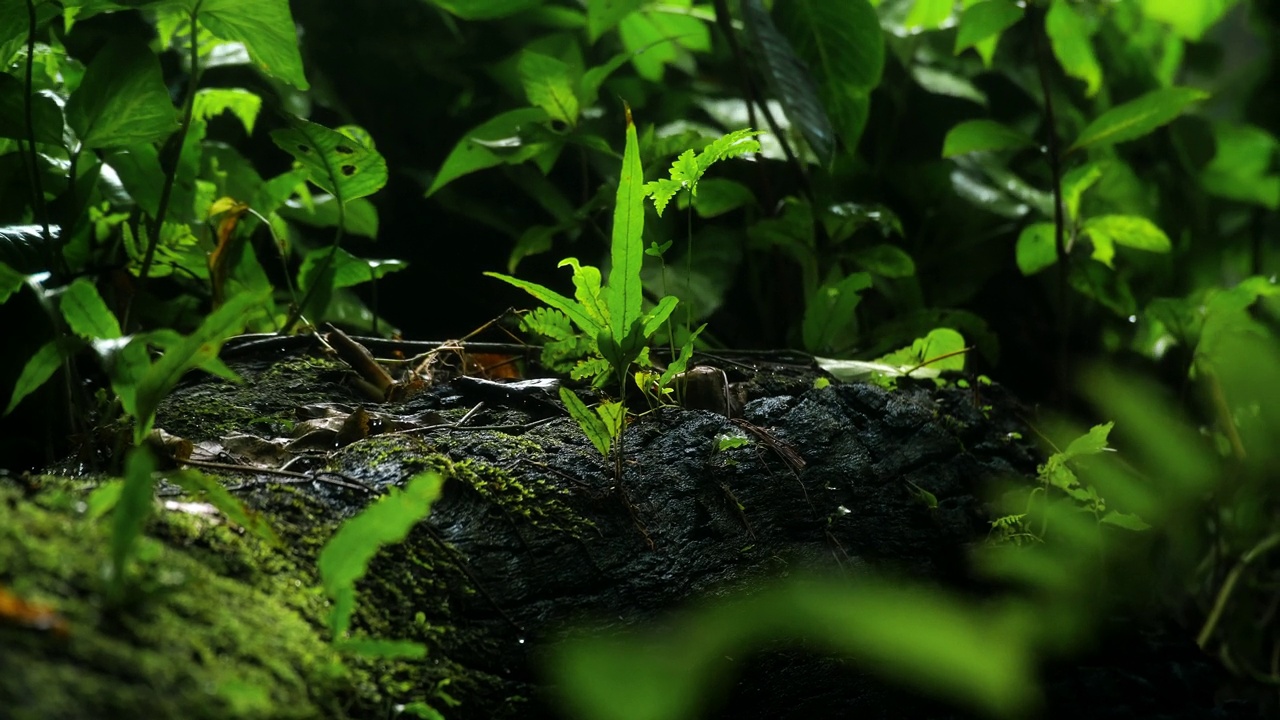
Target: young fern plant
[(612, 327)]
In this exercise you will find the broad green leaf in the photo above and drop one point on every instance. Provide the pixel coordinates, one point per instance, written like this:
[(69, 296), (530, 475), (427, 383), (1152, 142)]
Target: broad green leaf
[(981, 655), (485, 9), (843, 46), (1074, 185), (244, 104), (37, 371), (928, 14), (86, 313), (593, 425), (1070, 37), (573, 310), (500, 140), (10, 281), (938, 350), (122, 99), (888, 261), (603, 15), (348, 270), (654, 40), (1130, 231), (345, 557), (211, 489), (983, 136), (717, 196), (1244, 167), (339, 164), (1127, 521), (267, 30), (1037, 248), (627, 244), (1137, 117), (830, 311), (985, 20), (589, 85), (549, 84), (137, 500), (654, 319), (46, 115), (1091, 443), (1189, 18)]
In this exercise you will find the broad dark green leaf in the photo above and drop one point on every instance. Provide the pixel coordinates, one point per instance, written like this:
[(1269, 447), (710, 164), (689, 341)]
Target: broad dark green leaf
[(888, 261), (122, 99), (983, 136), (1037, 248), (717, 196), (46, 115), (504, 139), (985, 20), (928, 14), (345, 557), (348, 270), (625, 291), (843, 46), (36, 372), (484, 9), (266, 28), (829, 313), (789, 79), (1070, 36), (1137, 117), (361, 215), (86, 313), (341, 165)]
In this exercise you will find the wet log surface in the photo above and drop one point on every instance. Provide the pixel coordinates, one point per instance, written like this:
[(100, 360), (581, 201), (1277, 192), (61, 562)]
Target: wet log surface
[(537, 537)]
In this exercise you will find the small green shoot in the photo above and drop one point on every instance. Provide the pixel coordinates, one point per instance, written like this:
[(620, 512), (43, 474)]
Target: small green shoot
[(729, 442), (345, 558), (603, 427)]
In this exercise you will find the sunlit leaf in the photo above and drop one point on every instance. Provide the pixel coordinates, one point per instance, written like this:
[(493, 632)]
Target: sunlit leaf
[(211, 489), (1070, 37), (1244, 166), (983, 135), (592, 424), (1190, 18), (1137, 117), (627, 245), (1074, 184), (500, 140), (339, 164), (265, 27), (36, 372), (485, 9), (345, 557), (829, 313), (1130, 231), (549, 84), (603, 15), (984, 21), (244, 104), (10, 281), (1037, 248), (136, 502)]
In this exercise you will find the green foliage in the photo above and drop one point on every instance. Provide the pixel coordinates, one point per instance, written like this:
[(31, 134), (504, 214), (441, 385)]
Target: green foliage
[(345, 558), (134, 505)]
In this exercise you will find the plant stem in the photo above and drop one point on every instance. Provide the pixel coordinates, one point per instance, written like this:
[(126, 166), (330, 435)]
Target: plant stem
[(173, 160), (296, 313), (1059, 221), (33, 159)]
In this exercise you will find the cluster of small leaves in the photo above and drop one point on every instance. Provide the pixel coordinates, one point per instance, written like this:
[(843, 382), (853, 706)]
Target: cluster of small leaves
[(689, 168)]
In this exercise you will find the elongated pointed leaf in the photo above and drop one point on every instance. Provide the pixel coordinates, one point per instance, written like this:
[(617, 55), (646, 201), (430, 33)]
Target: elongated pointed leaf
[(211, 489), (576, 313), (485, 9), (789, 79), (500, 140), (35, 373), (122, 99), (1069, 36), (136, 502), (341, 165), (593, 426), (627, 247), (985, 21), (1130, 231), (983, 136), (10, 281), (1137, 117)]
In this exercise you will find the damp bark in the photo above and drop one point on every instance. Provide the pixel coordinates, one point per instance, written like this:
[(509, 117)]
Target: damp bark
[(535, 539)]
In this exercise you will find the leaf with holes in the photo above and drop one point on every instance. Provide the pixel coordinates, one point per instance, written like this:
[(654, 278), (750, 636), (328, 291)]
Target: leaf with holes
[(339, 164)]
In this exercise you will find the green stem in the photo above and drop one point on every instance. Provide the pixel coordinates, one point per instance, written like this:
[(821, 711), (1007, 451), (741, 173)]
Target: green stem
[(173, 159), (33, 157), (296, 314)]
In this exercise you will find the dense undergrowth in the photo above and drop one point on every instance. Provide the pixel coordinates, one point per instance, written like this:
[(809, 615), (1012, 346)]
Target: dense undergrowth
[(1076, 198)]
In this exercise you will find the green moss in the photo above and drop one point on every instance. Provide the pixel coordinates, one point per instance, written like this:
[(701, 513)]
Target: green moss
[(188, 643)]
